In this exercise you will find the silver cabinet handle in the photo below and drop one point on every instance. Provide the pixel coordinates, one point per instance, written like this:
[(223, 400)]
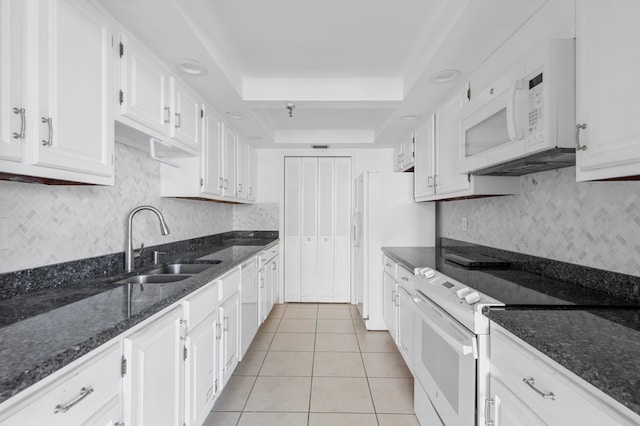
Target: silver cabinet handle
[(578, 128), (221, 184), (167, 114), (393, 296), (250, 190), (429, 183), (273, 266), (226, 324), (239, 187), (532, 384), (63, 408), (20, 111), (178, 120), (488, 402), (435, 181), (261, 282), (48, 121), (226, 184)]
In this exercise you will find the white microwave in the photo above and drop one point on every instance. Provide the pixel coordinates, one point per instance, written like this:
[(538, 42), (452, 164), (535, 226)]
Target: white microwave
[(525, 121)]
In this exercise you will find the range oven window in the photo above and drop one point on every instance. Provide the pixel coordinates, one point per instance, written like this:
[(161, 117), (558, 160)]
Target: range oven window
[(442, 361)]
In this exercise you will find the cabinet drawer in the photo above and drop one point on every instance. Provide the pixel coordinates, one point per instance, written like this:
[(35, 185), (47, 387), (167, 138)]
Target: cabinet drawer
[(198, 306), (390, 267), (405, 277), (549, 393), (76, 396), (228, 284)]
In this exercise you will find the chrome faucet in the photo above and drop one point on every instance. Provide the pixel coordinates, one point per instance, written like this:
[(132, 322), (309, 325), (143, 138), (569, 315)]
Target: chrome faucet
[(128, 254)]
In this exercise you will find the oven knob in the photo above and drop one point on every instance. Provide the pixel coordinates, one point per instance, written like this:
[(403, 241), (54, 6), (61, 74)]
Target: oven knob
[(428, 272), (462, 293), (472, 298)]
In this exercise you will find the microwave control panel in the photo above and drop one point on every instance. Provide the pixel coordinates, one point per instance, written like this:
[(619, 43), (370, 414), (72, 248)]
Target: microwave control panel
[(536, 101)]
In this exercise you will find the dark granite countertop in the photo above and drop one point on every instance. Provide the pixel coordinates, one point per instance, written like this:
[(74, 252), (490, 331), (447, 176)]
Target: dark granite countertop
[(601, 345), (44, 329)]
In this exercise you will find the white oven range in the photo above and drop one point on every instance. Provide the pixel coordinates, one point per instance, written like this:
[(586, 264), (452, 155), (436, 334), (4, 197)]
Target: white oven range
[(451, 352)]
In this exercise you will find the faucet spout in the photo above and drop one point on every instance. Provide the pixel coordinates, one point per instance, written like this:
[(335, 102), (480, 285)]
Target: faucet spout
[(128, 255)]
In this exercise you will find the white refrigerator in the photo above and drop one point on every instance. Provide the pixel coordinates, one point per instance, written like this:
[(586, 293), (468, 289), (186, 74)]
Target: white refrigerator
[(385, 215)]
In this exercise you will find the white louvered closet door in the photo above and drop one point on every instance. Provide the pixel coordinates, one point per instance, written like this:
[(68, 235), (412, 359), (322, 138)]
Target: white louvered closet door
[(292, 230), (326, 209), (309, 279), (317, 229)]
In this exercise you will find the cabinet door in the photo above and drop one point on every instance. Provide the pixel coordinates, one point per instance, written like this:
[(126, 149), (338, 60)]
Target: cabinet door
[(408, 152), (607, 65), (309, 266), (242, 172), (389, 312), (448, 178), (153, 384), (230, 319), (397, 157), (250, 299), (274, 282), (185, 116), (342, 232), (12, 108), (406, 315), (292, 229), (201, 370), (326, 227), (252, 193), (212, 180), (230, 138), (424, 160), (509, 410), (143, 83), (75, 121)]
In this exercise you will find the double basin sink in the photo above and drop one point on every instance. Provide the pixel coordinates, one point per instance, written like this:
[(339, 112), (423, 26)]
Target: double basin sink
[(169, 273)]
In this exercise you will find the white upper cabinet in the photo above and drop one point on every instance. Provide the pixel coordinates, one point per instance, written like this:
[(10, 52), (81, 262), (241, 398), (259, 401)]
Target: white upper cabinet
[(56, 122), (12, 106), (608, 65), (229, 180), (185, 116), (143, 82), (242, 171), (75, 128), (403, 155), (211, 161), (424, 156), (252, 192)]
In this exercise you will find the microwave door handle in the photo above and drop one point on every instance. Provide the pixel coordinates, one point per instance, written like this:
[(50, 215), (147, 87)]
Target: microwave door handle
[(455, 344), (512, 116)]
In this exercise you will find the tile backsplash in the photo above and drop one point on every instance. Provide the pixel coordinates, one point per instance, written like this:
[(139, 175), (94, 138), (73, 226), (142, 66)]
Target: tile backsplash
[(594, 224), (52, 224), (263, 216)]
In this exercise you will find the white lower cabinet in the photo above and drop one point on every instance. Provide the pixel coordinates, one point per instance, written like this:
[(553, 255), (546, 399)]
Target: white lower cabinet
[(389, 306), (267, 281), (524, 381), (230, 345), (406, 327), (249, 298), (202, 372), (154, 378), (89, 393)]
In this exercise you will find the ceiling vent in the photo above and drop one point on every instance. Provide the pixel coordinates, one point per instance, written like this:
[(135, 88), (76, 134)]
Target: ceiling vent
[(320, 146)]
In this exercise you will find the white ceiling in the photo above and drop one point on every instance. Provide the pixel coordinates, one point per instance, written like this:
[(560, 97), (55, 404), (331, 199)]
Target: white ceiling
[(353, 68)]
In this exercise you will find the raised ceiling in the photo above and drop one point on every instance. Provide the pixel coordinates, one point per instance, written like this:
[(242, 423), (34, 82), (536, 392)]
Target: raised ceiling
[(353, 68)]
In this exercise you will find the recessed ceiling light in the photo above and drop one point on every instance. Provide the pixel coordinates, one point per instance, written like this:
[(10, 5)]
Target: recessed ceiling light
[(234, 114), (410, 117), (189, 66), (446, 76)]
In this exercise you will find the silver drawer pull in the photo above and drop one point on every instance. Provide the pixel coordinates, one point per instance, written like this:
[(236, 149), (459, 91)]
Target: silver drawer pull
[(49, 122), (84, 392), (532, 385), (20, 111)]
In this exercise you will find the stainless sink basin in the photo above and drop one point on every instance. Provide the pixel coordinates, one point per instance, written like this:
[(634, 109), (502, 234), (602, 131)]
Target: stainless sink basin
[(182, 268), (153, 279)]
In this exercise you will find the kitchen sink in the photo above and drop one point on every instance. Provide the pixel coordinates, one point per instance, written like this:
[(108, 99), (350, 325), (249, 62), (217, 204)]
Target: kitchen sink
[(183, 268), (153, 279)]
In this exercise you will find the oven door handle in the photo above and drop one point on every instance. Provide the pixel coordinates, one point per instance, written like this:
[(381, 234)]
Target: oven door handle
[(457, 345)]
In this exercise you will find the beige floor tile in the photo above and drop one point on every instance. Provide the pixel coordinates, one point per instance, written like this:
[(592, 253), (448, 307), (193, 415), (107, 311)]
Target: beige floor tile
[(392, 396), (250, 364), (261, 342), (287, 394), (376, 341), (302, 305), (358, 324), (338, 364), (235, 393), (398, 420), (270, 325), (302, 342), (222, 418), (340, 395), (327, 342), (297, 325), (341, 306), (273, 419), (277, 311), (334, 313), (335, 326), (310, 313), (287, 364), (342, 419), (385, 364)]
